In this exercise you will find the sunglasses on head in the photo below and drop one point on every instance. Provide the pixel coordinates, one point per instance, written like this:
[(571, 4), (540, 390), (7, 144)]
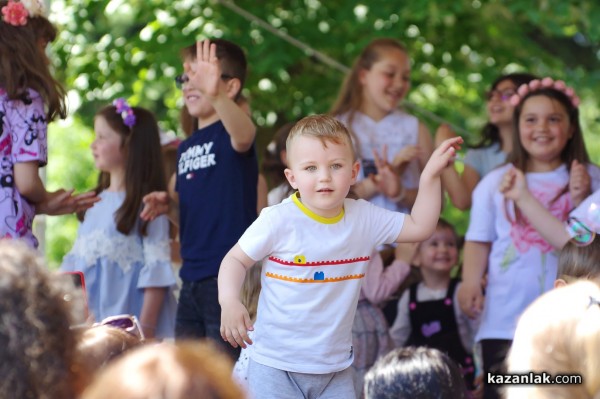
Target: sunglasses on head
[(124, 322), (184, 78)]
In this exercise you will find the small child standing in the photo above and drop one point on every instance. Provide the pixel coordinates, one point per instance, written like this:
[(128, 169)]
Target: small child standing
[(213, 195), (315, 249), (30, 97), (428, 312), (126, 261)]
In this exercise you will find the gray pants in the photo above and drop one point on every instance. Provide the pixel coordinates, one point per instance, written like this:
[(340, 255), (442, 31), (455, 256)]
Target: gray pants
[(270, 383)]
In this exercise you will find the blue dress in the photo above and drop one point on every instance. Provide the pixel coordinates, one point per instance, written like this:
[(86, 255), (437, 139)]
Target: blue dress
[(118, 267)]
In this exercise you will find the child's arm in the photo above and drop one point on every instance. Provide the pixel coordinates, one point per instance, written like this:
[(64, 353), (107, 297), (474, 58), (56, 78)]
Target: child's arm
[(61, 202), (235, 320), (205, 74), (459, 187), (153, 302), (380, 282), (470, 293), (514, 187), (425, 144), (162, 202), (421, 222), (28, 181)]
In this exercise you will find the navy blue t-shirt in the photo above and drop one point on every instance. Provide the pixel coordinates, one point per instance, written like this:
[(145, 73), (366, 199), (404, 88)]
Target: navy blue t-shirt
[(217, 199)]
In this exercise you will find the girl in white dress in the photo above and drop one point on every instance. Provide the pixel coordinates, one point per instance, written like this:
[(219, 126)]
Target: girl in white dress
[(126, 261)]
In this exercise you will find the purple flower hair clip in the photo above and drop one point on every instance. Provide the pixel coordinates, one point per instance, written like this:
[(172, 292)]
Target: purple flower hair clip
[(547, 82), (125, 111)]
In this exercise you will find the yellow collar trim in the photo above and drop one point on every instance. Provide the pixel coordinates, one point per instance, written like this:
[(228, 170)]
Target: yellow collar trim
[(314, 216)]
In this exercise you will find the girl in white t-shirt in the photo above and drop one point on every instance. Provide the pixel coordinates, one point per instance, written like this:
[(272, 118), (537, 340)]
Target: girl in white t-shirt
[(368, 105), (548, 148)]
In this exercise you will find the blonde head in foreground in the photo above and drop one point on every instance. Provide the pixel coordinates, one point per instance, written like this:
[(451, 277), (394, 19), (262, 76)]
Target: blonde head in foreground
[(559, 333)]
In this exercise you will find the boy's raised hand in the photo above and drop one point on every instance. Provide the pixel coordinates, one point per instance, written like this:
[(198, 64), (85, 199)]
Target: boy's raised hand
[(155, 204), (205, 72), (442, 157), (235, 324)]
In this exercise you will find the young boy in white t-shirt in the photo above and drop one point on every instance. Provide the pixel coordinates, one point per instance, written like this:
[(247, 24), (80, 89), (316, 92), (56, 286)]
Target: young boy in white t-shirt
[(315, 247)]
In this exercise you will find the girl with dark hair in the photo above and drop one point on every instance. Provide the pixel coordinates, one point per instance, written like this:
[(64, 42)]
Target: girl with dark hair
[(125, 260), (30, 97), (37, 346), (415, 372), (496, 141)]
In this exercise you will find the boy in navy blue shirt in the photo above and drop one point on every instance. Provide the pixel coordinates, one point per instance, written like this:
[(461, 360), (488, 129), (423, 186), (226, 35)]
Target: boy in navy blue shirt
[(212, 195)]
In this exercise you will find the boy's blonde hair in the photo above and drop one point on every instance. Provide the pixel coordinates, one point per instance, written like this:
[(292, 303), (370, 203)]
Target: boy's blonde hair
[(559, 333), (324, 127)]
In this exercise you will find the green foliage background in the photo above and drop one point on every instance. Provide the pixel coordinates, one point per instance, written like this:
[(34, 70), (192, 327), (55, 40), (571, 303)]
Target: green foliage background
[(109, 49)]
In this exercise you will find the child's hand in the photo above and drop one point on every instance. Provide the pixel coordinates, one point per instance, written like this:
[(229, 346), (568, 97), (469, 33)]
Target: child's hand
[(387, 182), (470, 298), (63, 202), (444, 132), (442, 157), (235, 324), (155, 204), (514, 185), (579, 183), (404, 156), (205, 72)]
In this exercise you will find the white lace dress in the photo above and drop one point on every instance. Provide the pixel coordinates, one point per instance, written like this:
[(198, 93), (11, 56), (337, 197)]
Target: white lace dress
[(118, 267)]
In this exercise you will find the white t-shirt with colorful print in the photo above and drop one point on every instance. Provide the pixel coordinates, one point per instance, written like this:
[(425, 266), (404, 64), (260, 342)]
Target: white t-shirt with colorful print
[(311, 277), (521, 264)]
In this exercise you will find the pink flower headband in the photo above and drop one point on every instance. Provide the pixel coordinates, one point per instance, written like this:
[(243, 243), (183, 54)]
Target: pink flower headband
[(547, 82), (16, 12), (125, 111)]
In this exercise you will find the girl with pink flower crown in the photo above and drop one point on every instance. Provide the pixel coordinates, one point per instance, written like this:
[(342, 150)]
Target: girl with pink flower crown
[(550, 153), (29, 98)]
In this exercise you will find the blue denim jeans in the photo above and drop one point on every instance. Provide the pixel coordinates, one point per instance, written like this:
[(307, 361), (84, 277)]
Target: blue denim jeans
[(199, 314)]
